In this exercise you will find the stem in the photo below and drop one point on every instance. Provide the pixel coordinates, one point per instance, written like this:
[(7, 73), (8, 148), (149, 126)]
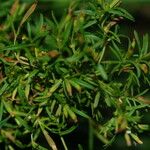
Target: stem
[(63, 142)]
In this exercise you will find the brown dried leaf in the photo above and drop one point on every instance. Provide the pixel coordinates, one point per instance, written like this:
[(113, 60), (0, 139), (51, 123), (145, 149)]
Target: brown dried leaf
[(14, 7), (28, 14), (53, 53)]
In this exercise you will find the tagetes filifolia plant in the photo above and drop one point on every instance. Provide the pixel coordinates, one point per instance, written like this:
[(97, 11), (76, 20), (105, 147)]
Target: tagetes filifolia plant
[(55, 71)]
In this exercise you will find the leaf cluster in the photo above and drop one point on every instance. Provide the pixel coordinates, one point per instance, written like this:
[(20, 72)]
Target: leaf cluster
[(56, 71)]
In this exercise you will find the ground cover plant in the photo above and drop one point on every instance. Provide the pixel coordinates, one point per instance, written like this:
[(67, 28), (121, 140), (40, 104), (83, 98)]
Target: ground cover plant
[(56, 72)]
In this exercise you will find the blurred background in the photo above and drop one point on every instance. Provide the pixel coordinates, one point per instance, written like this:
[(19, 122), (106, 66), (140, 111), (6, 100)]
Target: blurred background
[(140, 10)]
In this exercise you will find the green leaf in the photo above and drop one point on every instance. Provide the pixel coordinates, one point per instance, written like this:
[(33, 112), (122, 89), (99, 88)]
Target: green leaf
[(81, 113), (69, 130), (68, 87), (144, 49), (76, 85), (136, 138), (49, 140), (29, 30), (23, 123), (71, 114), (96, 100), (8, 107), (1, 110), (114, 3), (16, 47), (54, 87), (27, 91), (137, 39), (101, 71), (4, 122), (3, 89), (83, 83), (21, 92), (116, 51), (89, 24), (121, 12)]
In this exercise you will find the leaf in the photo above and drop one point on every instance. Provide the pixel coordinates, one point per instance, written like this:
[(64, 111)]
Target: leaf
[(27, 14), (65, 111), (70, 113), (68, 87), (144, 127), (108, 100), (1, 111), (14, 7), (75, 58), (145, 45), (101, 71), (9, 135), (15, 47), (14, 93), (37, 146), (33, 73), (8, 107), (27, 91), (90, 23), (53, 53), (75, 85), (3, 88), (114, 3), (131, 49), (49, 140), (66, 34), (21, 92), (96, 100), (83, 83), (121, 12), (144, 68), (22, 122), (116, 51), (101, 137), (54, 87), (137, 39), (135, 79), (137, 66), (136, 138), (67, 131), (128, 139), (4, 122), (85, 11), (29, 29), (24, 19), (81, 113)]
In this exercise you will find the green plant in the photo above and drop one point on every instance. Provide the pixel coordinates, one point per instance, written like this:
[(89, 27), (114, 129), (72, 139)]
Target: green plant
[(56, 71)]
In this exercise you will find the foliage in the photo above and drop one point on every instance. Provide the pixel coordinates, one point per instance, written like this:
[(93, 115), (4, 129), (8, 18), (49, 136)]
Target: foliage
[(56, 71)]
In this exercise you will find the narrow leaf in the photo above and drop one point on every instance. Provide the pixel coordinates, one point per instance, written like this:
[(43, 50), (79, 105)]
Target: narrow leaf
[(49, 140), (55, 87), (96, 100), (68, 87), (83, 83), (145, 45), (28, 14), (137, 39), (75, 85), (101, 71), (136, 138)]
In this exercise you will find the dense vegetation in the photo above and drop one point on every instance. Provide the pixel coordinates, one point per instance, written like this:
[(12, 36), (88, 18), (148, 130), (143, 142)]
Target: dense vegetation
[(56, 72)]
